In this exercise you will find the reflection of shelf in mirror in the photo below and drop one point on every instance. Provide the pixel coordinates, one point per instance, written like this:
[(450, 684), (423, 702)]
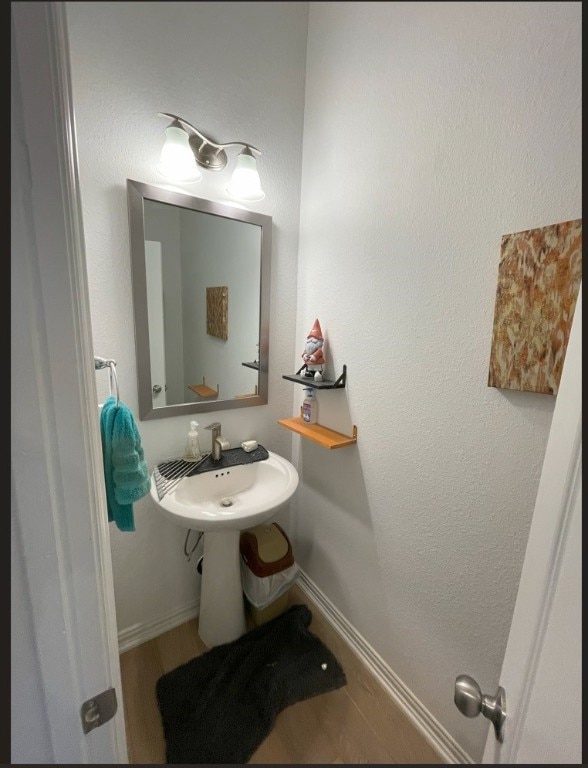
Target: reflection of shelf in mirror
[(308, 381), (249, 394), (203, 389), (251, 365), (328, 438)]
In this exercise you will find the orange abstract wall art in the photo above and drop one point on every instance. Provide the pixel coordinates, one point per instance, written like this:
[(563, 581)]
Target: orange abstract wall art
[(217, 312), (539, 277)]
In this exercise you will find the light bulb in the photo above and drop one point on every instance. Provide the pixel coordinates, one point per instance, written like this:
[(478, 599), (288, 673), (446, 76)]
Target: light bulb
[(245, 183), (177, 159)]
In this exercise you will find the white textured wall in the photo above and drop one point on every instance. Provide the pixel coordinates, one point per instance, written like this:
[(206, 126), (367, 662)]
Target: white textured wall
[(236, 71), (430, 130)]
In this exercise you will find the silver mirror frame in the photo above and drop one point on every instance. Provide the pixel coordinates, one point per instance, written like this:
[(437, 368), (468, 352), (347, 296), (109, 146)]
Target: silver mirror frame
[(138, 191)]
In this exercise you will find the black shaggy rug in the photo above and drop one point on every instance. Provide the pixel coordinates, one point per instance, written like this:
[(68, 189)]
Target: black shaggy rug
[(220, 706)]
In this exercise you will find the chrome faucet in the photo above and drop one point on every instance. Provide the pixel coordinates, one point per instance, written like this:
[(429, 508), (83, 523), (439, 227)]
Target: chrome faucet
[(217, 445)]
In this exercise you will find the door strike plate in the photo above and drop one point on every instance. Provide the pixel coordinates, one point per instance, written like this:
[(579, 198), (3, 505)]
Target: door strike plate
[(98, 710)]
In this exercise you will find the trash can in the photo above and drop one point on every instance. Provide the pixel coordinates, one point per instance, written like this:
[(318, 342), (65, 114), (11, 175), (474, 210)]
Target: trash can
[(268, 571)]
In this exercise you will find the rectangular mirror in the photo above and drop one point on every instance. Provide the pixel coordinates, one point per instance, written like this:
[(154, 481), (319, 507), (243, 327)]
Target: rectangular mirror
[(200, 278)]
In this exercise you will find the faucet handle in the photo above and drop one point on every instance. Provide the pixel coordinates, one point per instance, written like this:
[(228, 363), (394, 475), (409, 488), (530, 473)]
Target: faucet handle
[(214, 425)]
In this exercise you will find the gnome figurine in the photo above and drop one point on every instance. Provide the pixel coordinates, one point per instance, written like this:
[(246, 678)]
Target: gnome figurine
[(313, 354)]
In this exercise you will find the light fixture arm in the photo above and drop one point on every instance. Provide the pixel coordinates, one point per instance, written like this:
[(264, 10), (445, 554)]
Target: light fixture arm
[(185, 147), (202, 156), (242, 144)]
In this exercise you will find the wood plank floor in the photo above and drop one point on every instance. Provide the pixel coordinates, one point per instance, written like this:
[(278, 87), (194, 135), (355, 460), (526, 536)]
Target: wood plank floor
[(356, 724)]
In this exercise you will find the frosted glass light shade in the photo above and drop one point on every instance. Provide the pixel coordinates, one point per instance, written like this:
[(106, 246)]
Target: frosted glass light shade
[(245, 183), (177, 159)]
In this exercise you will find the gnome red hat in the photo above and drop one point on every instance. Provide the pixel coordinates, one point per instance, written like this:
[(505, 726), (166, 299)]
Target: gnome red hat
[(315, 331)]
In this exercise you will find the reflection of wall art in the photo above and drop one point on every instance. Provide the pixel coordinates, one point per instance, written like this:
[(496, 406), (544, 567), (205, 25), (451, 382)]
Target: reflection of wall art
[(539, 278), (217, 311)]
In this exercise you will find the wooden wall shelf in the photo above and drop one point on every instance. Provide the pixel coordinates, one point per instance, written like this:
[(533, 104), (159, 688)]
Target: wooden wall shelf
[(324, 436), (328, 438)]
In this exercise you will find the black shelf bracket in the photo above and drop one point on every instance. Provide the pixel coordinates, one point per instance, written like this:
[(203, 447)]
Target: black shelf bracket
[(324, 384)]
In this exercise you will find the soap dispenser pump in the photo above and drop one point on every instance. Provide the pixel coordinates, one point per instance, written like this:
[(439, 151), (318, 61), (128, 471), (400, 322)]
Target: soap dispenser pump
[(193, 452)]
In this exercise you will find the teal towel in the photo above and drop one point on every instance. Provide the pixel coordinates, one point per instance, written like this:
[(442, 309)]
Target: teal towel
[(125, 472)]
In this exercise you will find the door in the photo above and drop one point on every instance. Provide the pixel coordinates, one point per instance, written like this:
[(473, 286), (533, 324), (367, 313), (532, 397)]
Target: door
[(63, 631), (542, 673), (154, 276)]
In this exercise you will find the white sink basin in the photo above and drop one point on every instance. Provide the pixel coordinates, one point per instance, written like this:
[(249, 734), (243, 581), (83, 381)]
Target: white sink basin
[(223, 502), (237, 497)]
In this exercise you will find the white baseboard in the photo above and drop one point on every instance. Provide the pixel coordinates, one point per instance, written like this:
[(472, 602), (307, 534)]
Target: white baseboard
[(139, 633), (440, 739)]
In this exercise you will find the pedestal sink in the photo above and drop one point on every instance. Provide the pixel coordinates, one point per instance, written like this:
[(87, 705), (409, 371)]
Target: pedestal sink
[(222, 502)]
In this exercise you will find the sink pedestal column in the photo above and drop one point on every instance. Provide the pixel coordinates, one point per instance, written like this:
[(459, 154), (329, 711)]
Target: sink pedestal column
[(222, 610)]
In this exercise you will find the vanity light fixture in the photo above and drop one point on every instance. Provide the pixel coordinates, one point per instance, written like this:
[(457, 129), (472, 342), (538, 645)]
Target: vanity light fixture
[(186, 148)]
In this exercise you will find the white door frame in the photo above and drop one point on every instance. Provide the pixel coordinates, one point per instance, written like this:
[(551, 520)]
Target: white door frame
[(58, 503), (156, 319)]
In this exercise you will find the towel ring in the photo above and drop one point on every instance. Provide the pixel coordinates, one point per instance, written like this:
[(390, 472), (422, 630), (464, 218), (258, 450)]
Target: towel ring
[(102, 362), (113, 381)]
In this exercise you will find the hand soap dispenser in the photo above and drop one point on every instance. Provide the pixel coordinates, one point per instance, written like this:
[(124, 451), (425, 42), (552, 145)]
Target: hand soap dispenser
[(193, 452), (309, 407)]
